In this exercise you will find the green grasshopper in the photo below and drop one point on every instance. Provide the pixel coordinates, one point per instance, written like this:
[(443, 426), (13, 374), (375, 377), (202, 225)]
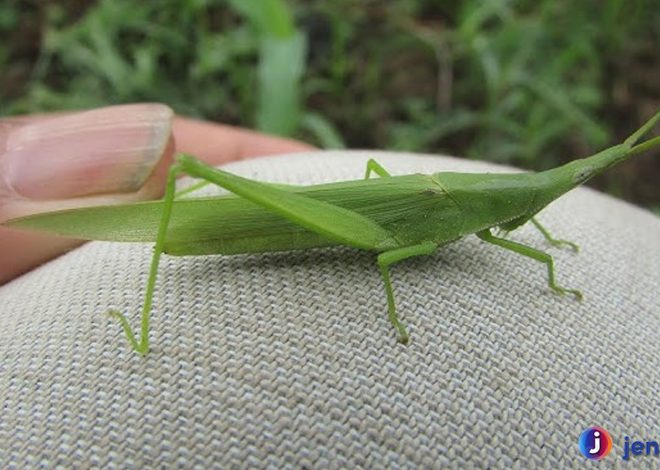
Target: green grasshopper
[(398, 217)]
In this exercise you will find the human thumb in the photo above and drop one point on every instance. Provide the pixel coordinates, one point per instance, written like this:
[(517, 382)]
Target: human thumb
[(103, 156), (100, 156)]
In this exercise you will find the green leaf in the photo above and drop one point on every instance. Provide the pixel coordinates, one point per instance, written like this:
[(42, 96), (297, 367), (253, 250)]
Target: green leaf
[(281, 66)]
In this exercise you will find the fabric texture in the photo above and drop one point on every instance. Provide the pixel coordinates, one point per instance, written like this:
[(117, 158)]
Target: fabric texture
[(288, 359)]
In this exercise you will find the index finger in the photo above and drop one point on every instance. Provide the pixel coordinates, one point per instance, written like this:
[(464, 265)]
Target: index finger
[(219, 143)]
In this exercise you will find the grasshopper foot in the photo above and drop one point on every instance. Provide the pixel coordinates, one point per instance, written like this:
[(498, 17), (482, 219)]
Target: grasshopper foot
[(574, 292), (143, 346), (403, 334), (564, 244)]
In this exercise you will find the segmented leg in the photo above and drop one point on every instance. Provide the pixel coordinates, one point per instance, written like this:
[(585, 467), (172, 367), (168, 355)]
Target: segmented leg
[(374, 167), (394, 256), (553, 241), (142, 346), (337, 223), (533, 253), (192, 188)]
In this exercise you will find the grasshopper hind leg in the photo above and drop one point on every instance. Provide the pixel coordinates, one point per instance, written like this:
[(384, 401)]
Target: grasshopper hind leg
[(374, 167), (142, 345), (332, 221)]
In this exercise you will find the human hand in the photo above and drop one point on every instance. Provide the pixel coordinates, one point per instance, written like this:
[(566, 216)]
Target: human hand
[(103, 156)]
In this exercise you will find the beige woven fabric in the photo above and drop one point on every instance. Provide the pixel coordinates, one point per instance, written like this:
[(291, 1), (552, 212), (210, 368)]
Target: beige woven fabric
[(288, 360)]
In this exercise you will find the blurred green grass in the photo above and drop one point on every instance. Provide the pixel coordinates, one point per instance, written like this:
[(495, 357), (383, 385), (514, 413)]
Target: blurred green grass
[(531, 84)]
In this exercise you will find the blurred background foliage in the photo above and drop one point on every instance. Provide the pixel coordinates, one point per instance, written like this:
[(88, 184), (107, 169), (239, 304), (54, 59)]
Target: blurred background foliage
[(528, 83)]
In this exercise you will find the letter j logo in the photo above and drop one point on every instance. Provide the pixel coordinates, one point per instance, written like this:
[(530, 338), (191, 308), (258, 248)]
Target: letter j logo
[(595, 443)]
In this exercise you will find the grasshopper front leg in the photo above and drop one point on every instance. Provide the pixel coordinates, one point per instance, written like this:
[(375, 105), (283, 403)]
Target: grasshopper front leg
[(533, 253), (553, 241)]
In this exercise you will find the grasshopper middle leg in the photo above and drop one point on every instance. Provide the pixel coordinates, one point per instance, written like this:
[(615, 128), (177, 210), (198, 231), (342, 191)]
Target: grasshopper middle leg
[(390, 257)]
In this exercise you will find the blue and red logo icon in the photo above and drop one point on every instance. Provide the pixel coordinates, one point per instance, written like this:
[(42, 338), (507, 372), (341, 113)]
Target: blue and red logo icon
[(595, 443)]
